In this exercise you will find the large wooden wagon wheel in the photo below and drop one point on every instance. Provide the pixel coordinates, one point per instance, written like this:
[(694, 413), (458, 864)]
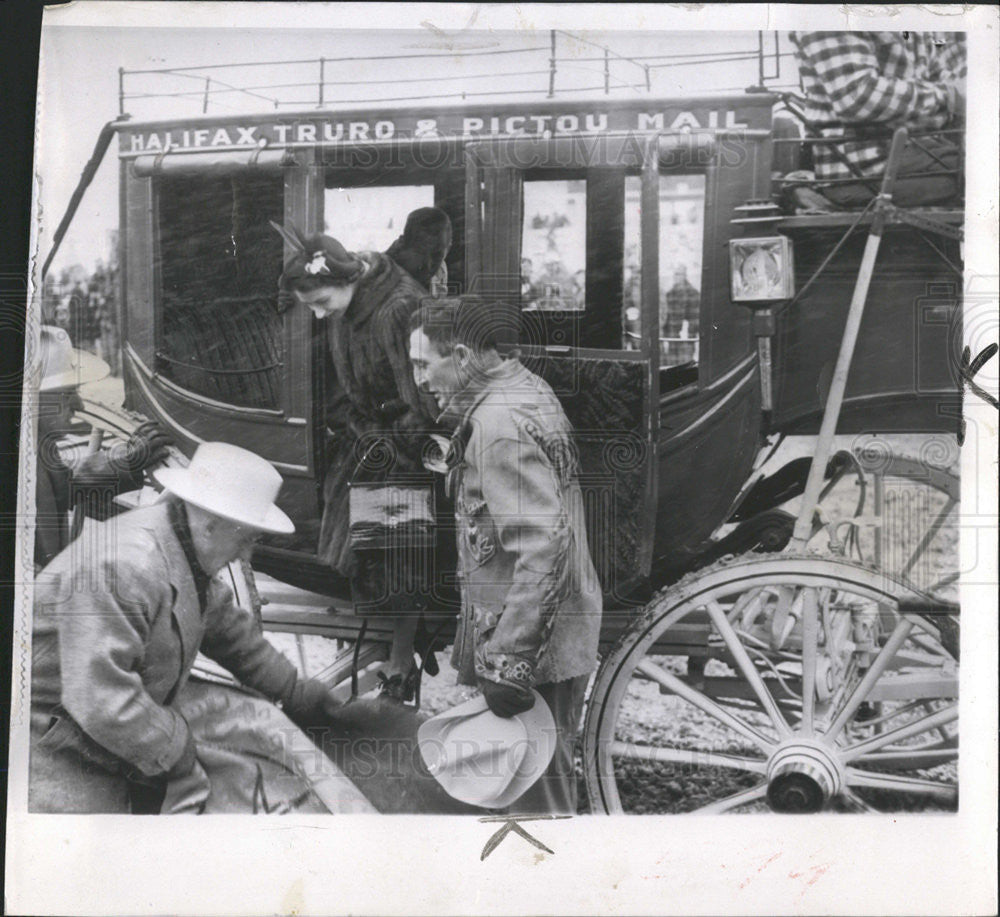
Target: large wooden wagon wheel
[(902, 513), (790, 683)]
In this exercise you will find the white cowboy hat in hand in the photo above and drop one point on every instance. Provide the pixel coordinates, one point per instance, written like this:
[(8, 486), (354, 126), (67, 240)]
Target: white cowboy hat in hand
[(230, 482), (486, 760)]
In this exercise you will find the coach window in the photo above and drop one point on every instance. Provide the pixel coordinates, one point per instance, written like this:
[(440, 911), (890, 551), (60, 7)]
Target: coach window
[(682, 227), (218, 331), (554, 246), (370, 218)]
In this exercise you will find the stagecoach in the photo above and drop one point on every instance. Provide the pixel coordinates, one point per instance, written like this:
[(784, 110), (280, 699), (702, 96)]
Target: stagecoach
[(779, 627)]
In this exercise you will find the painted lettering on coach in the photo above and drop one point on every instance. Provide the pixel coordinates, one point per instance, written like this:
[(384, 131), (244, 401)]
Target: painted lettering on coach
[(361, 129)]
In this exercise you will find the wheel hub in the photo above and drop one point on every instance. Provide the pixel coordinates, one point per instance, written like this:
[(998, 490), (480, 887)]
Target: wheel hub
[(802, 777)]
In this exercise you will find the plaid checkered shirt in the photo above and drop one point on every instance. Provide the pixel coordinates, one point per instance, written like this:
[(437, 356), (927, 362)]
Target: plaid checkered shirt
[(880, 79)]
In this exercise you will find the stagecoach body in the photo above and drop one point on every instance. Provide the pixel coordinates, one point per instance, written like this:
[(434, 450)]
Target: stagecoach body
[(670, 426), (666, 445)]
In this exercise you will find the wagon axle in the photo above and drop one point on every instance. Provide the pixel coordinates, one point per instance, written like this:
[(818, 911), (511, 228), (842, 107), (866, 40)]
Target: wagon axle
[(802, 777)]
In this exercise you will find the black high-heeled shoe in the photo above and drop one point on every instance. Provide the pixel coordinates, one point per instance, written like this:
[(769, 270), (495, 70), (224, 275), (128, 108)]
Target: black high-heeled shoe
[(397, 688)]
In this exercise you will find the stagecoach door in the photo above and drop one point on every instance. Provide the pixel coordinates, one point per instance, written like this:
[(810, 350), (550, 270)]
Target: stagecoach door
[(208, 352), (545, 239)]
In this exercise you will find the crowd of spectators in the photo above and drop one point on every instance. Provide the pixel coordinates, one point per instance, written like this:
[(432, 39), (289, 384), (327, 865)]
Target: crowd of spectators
[(86, 307)]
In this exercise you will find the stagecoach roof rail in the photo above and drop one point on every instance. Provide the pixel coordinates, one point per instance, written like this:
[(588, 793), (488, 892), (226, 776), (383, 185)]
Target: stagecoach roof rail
[(438, 79), (729, 90), (347, 59), (215, 87), (641, 61), (381, 100), (197, 72)]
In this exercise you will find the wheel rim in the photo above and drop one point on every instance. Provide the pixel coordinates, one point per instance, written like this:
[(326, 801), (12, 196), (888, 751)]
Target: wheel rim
[(815, 694), (903, 521)]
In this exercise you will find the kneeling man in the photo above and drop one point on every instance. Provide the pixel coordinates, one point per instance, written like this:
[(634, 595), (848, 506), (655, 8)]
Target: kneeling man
[(119, 616), (531, 601)]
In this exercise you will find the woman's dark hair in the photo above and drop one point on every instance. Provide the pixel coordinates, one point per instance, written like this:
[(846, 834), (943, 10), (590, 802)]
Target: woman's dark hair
[(310, 282), (316, 261)]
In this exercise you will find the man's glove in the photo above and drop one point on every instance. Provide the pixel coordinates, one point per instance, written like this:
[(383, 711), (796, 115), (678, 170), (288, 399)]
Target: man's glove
[(310, 703), (506, 700), (147, 446)]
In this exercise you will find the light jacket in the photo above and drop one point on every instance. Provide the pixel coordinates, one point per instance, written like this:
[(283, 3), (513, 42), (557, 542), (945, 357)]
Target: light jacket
[(531, 601), (117, 625)]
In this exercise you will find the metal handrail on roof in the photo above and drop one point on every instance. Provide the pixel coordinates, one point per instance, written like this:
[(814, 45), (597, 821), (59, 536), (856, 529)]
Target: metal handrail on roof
[(213, 87)]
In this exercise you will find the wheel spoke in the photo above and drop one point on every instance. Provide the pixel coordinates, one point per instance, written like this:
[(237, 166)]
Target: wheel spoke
[(911, 759), (879, 499), (874, 673), (856, 802), (932, 530), (810, 640), (742, 604), (731, 802), (703, 703), (687, 756), (944, 581), (948, 715), (940, 730), (749, 670), (918, 785)]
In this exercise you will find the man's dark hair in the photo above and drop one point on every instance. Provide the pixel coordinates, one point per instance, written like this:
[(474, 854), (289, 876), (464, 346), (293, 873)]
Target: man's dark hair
[(467, 320)]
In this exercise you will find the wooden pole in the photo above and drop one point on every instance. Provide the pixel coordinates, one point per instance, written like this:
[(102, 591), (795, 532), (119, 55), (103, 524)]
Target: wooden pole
[(835, 399), (552, 64), (89, 170)]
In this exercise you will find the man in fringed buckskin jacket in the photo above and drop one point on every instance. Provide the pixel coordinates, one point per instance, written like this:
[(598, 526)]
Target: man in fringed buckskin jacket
[(531, 601)]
